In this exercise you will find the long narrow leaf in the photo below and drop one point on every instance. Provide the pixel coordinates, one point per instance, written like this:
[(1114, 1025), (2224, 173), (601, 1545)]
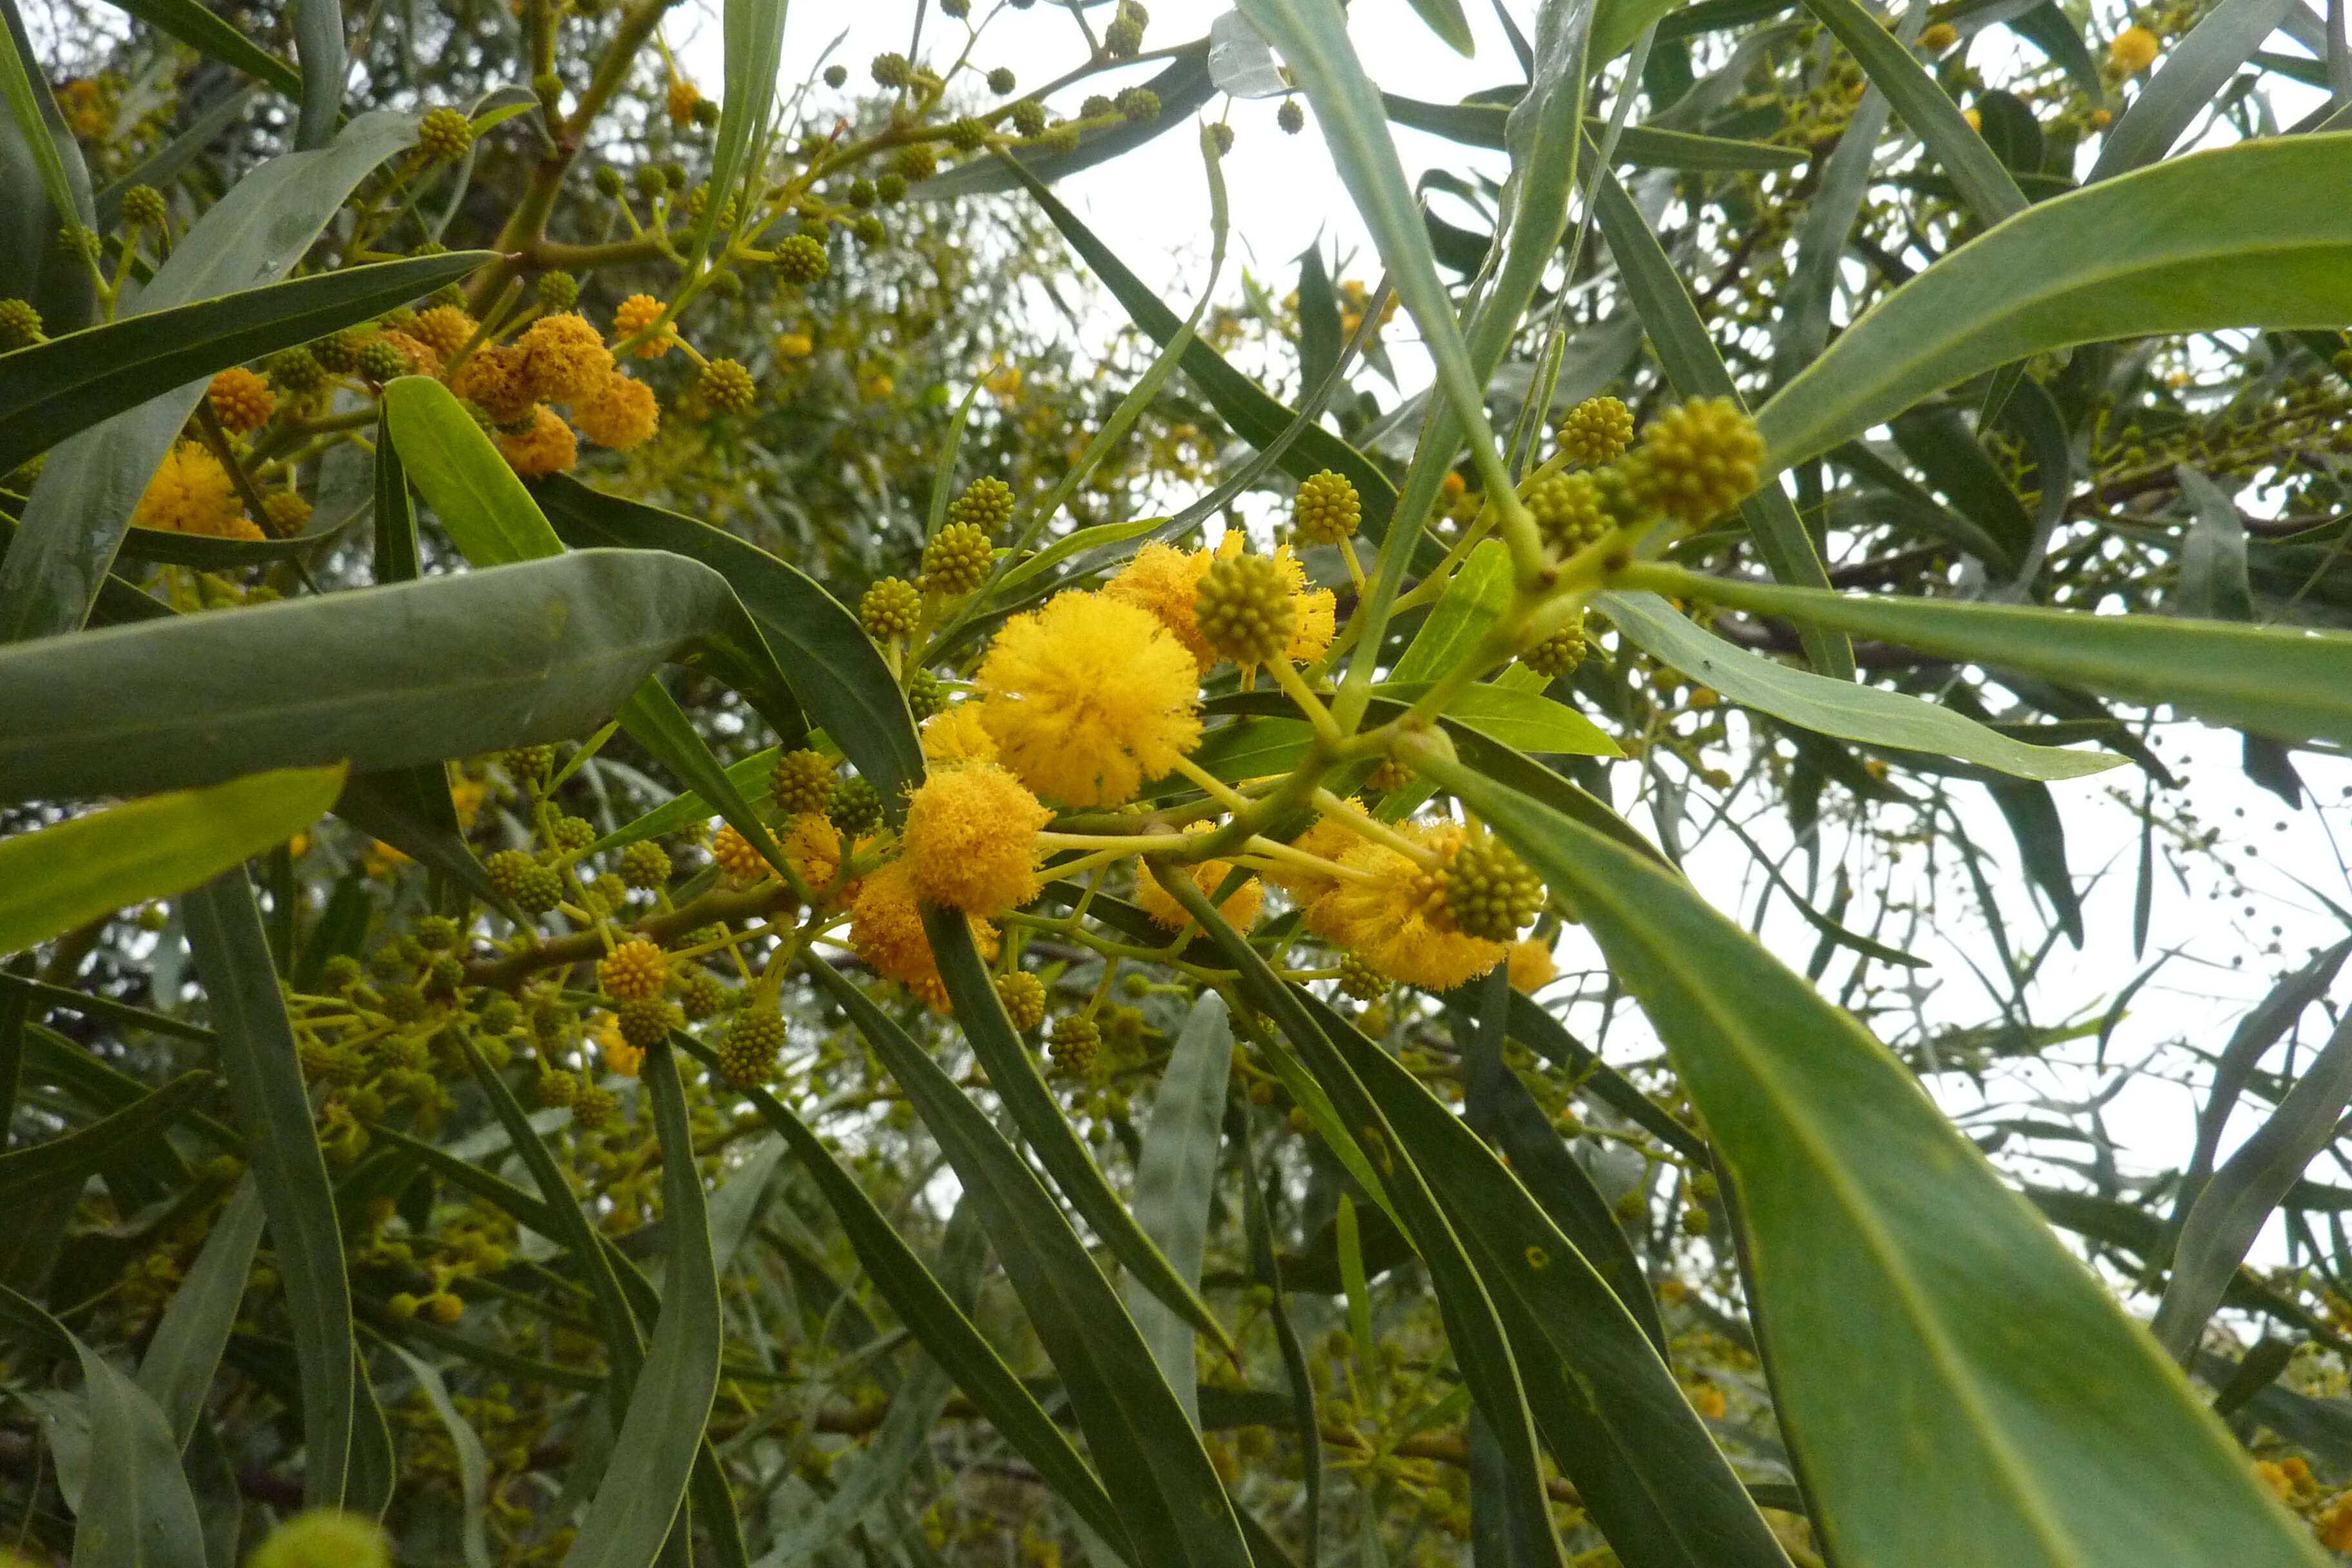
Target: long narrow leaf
[(1901, 1287)]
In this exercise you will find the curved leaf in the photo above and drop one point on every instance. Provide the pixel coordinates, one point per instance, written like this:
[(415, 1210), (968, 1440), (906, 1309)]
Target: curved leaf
[(2198, 67), (653, 1457), (378, 677), (51, 390), (2281, 680), (1158, 1475), (1175, 1182), (1946, 1371), (57, 878), (2246, 235), (835, 668), (68, 1162), (941, 1327), (177, 1369), (137, 1510), (1842, 708), (1601, 1397), (198, 28), (258, 1058), (1183, 87)]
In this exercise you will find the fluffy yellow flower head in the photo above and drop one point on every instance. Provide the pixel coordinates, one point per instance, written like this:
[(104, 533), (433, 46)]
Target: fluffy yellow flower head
[(1393, 914), (956, 735), (1531, 964), (812, 846), (1090, 697), (444, 329), (1328, 839), (2134, 50), (192, 493), (637, 312), (1166, 581), (565, 356), (493, 376), (1208, 875), (545, 446), (886, 926), (620, 413), (972, 839)]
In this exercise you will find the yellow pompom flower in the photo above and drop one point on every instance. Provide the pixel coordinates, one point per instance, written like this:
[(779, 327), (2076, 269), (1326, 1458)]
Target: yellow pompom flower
[(2134, 50), (241, 399), (1208, 875), (679, 101), (1165, 581), (192, 493), (565, 356), (422, 359), (812, 848), (637, 312), (444, 329), (1531, 965), (1327, 840), (957, 735), (886, 927), (621, 413), (493, 376), (1090, 697), (545, 446), (324, 1538), (972, 839), (1393, 914)]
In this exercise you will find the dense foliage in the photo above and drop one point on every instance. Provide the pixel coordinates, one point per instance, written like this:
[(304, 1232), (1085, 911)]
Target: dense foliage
[(683, 878)]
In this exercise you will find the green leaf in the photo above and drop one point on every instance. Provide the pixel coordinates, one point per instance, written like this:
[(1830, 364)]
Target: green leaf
[(2258, 241), (1983, 183), (2194, 69), (1642, 146), (1602, 1399), (318, 28), (2282, 680), (176, 1372), (1312, 36), (2035, 823), (1523, 721), (1012, 1069), (1618, 24), (1445, 18), (1184, 86), (33, 266), (1071, 543), (414, 672), (1938, 440), (137, 1510), (2213, 583), (23, 94), (1500, 1108), (1158, 1476), (162, 167), (1696, 369), (2230, 1211), (473, 1465), (835, 668), (258, 1058), (1474, 601), (51, 390), (1842, 708), (68, 1162), (1255, 416), (1901, 1287), (1175, 1182), (937, 1323), (749, 777), (58, 877), (83, 500), (201, 30), (1472, 1329), (753, 36), (653, 1459)]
